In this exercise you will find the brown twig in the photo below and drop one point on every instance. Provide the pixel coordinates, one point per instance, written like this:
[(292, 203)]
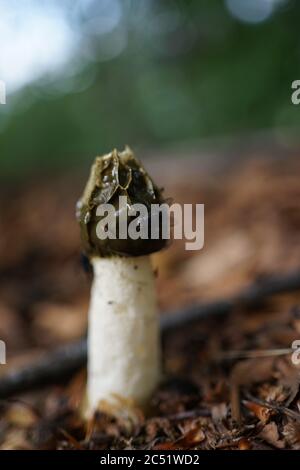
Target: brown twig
[(254, 353), (61, 363), (273, 406), (196, 413)]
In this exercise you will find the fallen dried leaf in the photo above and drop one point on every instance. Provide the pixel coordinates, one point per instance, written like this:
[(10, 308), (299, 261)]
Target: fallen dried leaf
[(270, 434), (261, 412)]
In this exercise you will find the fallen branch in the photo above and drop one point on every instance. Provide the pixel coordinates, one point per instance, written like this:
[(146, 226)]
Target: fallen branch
[(250, 297), (52, 367), (61, 363)]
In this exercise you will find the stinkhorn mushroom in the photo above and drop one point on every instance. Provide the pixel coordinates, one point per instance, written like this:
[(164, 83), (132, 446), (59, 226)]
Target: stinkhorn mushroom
[(123, 329)]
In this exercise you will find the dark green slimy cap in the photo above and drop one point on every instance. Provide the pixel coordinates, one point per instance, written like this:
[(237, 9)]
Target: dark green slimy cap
[(113, 175)]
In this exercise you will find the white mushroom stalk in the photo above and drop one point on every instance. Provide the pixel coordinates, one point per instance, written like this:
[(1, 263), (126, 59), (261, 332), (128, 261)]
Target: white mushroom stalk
[(123, 337), (124, 366)]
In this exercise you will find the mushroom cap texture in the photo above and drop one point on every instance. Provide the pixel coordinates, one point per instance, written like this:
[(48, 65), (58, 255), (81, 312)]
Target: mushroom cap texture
[(113, 175)]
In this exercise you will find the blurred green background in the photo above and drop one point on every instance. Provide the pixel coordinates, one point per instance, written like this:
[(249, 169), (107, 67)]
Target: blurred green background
[(84, 76)]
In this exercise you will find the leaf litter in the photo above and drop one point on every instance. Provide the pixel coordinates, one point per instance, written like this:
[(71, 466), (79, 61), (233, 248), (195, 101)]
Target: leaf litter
[(229, 382)]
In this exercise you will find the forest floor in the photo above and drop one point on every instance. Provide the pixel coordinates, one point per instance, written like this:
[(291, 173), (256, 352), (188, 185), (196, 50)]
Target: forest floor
[(229, 380)]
